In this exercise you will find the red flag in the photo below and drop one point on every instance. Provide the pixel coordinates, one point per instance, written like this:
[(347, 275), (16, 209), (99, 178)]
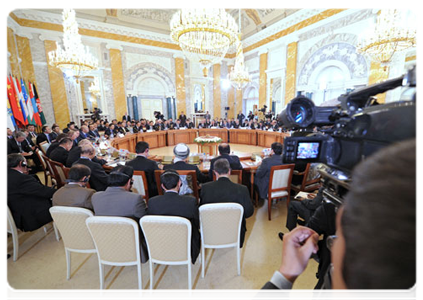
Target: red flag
[(34, 105), (17, 113)]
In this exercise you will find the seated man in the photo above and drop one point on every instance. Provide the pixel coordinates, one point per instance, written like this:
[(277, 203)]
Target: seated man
[(98, 179), (173, 204), (75, 193), (118, 200), (224, 150), (142, 163), (262, 176), (55, 144), (29, 200), (75, 153), (19, 145), (224, 190), (44, 136), (61, 153), (181, 152)]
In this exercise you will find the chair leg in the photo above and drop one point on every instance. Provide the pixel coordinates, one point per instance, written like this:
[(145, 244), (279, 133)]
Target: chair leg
[(203, 261), (101, 274), (238, 257), (139, 276), (15, 246), (68, 264), (269, 207), (189, 274), (151, 275)]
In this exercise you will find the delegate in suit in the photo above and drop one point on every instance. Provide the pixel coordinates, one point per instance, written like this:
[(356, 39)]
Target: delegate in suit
[(224, 150)]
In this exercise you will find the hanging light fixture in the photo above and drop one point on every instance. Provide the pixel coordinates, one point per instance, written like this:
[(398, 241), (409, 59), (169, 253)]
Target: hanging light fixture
[(73, 58), (390, 35), (239, 76), (204, 35)]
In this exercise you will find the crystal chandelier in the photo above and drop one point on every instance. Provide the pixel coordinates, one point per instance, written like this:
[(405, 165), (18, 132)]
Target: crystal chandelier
[(239, 76), (204, 35), (73, 57), (94, 87), (390, 35)]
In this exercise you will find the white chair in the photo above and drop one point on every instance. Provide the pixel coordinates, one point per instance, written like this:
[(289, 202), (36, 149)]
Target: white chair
[(117, 242), (70, 221), (220, 225), (140, 184), (12, 229), (44, 147), (279, 184), (169, 242)]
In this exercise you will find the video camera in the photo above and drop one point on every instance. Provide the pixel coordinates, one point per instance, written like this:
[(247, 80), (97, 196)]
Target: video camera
[(357, 127)]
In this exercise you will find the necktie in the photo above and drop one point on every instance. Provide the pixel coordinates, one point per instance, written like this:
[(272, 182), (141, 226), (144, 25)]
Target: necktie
[(48, 138), (20, 147)]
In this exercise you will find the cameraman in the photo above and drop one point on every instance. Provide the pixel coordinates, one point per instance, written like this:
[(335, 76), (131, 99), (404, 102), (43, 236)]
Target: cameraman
[(375, 247)]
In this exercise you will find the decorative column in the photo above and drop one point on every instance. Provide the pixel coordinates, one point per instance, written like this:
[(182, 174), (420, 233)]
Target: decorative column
[(291, 71), (231, 99), (238, 101), (216, 91), (378, 74), (84, 100), (58, 89), (180, 85), (24, 50), (262, 78), (117, 80), (11, 48)]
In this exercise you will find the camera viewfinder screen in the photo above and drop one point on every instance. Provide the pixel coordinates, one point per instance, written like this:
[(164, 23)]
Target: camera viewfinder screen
[(308, 150)]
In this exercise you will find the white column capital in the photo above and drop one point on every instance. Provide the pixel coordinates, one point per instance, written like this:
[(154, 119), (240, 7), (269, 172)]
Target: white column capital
[(114, 46), (263, 51), (179, 55), (49, 37)]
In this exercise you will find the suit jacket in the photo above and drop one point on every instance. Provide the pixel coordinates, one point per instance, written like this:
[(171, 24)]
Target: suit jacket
[(53, 136), (224, 190), (12, 146), (75, 154), (181, 165), (234, 162), (108, 132), (73, 195), (269, 292), (140, 163), (172, 204), (98, 178), (60, 155), (116, 201), (183, 119), (263, 174), (42, 137), (28, 200)]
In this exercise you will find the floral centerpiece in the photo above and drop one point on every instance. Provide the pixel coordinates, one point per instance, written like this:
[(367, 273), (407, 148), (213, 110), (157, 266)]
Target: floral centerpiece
[(207, 139)]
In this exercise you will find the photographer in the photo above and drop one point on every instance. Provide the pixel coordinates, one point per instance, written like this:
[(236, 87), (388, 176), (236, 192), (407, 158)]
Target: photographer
[(375, 245)]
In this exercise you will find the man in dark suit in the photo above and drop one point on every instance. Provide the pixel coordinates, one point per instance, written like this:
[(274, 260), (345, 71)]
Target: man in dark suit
[(262, 176), (19, 145), (75, 193), (61, 153), (240, 117), (224, 150), (28, 200), (189, 124), (98, 179), (224, 190), (55, 144), (142, 163), (173, 204), (118, 200), (83, 133), (45, 136), (183, 118), (126, 117), (55, 131), (93, 133), (75, 154), (181, 152), (31, 131)]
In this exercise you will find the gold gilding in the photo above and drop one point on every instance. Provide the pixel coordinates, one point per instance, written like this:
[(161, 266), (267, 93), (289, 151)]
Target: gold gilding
[(231, 100), (291, 71), (118, 83), (11, 48), (58, 90), (180, 86), (25, 55), (378, 74), (262, 79), (216, 91)]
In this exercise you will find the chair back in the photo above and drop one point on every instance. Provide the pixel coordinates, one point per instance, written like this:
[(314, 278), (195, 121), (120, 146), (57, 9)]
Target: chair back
[(42, 160), (280, 179), (235, 177), (11, 226), (71, 224), (116, 239), (44, 146), (59, 173), (140, 185), (311, 179), (168, 239), (189, 182), (50, 170), (220, 224)]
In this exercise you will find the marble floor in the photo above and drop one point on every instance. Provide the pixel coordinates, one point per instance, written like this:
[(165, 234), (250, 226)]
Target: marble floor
[(41, 263)]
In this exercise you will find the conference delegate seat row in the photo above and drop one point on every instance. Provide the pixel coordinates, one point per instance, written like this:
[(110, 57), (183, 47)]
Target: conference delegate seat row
[(115, 240)]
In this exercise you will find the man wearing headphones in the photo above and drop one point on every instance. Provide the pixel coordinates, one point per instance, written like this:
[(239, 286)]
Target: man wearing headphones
[(173, 204), (75, 193), (28, 199)]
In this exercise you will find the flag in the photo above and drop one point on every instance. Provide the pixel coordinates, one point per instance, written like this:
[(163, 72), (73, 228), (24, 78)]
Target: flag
[(40, 110), (34, 105), (10, 119), (30, 115), (16, 110), (22, 103)]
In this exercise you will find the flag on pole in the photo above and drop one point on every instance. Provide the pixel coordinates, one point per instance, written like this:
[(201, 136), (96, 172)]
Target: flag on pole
[(34, 105), (10, 119), (11, 95), (22, 103), (40, 110), (28, 102)]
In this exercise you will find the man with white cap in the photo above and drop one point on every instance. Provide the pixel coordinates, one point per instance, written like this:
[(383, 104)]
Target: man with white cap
[(181, 152)]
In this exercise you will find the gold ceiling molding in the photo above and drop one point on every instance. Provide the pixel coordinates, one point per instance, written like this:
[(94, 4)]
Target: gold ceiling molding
[(253, 14), (410, 58), (111, 12)]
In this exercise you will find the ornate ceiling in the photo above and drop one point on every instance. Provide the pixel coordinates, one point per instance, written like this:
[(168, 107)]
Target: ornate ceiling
[(157, 20)]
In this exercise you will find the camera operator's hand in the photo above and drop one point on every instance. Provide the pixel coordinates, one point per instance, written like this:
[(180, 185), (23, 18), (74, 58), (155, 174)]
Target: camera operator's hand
[(298, 246)]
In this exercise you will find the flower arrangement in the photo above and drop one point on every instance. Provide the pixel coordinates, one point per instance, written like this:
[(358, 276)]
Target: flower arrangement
[(207, 139)]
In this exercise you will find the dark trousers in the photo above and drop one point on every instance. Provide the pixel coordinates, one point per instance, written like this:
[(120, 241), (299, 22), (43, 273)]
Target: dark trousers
[(295, 209)]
